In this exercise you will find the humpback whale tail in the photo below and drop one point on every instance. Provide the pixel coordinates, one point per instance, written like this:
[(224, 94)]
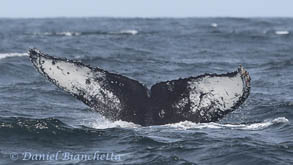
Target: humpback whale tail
[(204, 98)]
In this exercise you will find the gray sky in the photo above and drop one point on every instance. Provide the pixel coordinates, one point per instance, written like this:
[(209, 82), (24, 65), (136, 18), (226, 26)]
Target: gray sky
[(146, 8)]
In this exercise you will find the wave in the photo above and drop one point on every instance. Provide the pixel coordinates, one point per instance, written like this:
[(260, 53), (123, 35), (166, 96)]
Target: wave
[(57, 34), (254, 126), (256, 34), (283, 32), (45, 126), (6, 55), (98, 122), (132, 32), (103, 123), (275, 65), (68, 33)]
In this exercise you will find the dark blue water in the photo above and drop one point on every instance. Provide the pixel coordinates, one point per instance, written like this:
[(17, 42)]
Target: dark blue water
[(37, 118)]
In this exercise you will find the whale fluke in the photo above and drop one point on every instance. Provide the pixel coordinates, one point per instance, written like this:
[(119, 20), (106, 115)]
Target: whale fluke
[(205, 98)]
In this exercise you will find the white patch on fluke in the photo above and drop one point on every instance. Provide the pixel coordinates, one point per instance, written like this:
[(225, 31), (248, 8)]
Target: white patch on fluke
[(79, 80), (221, 92), (211, 96)]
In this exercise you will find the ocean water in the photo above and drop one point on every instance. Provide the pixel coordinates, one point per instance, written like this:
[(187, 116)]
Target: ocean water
[(38, 120)]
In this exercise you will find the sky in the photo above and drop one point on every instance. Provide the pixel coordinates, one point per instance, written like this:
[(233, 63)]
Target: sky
[(145, 8)]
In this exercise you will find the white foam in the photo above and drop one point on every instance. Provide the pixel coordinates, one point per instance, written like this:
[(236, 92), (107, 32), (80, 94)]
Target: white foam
[(45, 33), (254, 126), (59, 33), (284, 32), (214, 25), (132, 32), (68, 33), (103, 123), (6, 55), (265, 124), (115, 124)]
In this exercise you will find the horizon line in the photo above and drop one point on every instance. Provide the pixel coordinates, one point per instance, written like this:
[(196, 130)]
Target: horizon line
[(149, 17)]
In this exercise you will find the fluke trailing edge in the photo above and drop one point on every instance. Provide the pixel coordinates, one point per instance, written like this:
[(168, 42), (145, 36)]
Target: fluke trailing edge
[(204, 98)]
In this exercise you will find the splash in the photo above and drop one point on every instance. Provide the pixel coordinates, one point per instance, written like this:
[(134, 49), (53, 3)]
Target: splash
[(103, 123)]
